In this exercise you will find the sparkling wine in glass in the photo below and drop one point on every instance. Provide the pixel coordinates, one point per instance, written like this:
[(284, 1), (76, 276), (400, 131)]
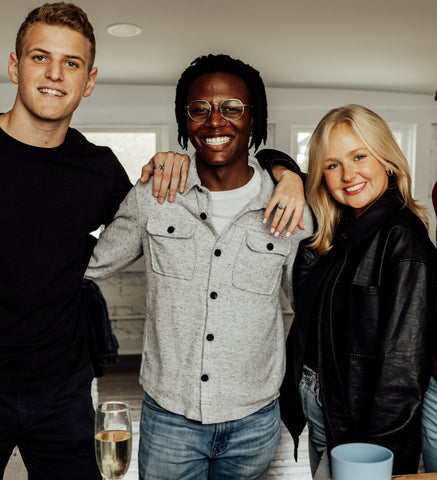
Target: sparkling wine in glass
[(113, 439)]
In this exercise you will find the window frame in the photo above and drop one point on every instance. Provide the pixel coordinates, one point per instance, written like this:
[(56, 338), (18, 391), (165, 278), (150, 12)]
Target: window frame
[(160, 131)]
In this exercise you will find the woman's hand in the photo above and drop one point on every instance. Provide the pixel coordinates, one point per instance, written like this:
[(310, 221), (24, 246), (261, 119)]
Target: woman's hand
[(169, 170), (289, 200)]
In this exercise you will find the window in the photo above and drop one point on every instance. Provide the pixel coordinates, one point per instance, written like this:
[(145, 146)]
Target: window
[(300, 136), (405, 135), (133, 146)]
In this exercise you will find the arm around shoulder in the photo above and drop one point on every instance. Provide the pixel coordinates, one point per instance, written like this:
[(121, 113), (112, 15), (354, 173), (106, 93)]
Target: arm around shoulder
[(269, 157)]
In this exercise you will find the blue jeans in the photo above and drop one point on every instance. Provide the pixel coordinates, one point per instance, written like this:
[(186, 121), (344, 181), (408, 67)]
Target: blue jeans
[(53, 428), (309, 389), (429, 427), (173, 447)]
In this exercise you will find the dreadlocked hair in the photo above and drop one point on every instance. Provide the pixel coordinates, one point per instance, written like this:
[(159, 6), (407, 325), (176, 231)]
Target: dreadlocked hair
[(223, 63)]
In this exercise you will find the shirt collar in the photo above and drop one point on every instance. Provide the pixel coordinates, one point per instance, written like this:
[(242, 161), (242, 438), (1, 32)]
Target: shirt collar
[(360, 228), (261, 201)]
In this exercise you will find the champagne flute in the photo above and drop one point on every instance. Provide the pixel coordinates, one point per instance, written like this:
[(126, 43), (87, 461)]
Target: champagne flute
[(113, 439)]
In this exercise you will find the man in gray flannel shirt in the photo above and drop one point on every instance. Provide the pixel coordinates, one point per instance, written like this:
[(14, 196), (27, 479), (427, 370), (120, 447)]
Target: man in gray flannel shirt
[(214, 345)]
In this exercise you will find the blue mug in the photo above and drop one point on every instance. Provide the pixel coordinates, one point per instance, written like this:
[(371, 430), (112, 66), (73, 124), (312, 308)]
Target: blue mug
[(361, 461)]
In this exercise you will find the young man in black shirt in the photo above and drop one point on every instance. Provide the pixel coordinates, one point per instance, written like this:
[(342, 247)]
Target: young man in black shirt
[(55, 188)]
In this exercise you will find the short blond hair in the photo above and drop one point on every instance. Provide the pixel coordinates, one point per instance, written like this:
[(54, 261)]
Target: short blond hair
[(61, 13), (376, 135)]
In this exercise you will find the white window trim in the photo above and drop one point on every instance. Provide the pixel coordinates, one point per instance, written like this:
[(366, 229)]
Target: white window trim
[(161, 131)]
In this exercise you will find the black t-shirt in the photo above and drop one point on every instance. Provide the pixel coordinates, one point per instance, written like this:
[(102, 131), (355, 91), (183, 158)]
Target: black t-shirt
[(50, 200)]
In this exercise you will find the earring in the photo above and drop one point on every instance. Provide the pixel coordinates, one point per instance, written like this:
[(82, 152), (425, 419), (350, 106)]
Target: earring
[(389, 172)]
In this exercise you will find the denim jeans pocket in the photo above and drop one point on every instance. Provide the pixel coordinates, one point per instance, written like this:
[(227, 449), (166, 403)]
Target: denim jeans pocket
[(270, 406), (149, 403), (309, 387), (319, 402)]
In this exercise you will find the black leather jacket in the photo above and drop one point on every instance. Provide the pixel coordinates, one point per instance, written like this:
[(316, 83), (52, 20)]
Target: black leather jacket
[(373, 300)]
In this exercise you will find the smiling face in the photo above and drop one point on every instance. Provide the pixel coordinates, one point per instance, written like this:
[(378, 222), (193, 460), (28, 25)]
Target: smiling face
[(219, 142), (52, 73), (354, 177)]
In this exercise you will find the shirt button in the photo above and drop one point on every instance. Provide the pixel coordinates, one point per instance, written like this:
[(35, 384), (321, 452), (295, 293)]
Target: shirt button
[(170, 229), (204, 378), (210, 337), (270, 246), (213, 295), (217, 252), (203, 216)]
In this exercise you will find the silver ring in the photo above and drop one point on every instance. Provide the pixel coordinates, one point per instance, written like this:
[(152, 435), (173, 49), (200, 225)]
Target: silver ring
[(281, 206), (158, 167)]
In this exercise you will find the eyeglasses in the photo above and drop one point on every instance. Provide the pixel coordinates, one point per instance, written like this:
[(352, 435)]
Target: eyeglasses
[(231, 110)]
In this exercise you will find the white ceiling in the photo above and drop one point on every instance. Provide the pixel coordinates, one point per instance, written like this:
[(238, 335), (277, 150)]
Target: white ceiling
[(387, 45)]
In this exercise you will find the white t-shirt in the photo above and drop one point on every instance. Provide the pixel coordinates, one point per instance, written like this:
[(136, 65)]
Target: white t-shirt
[(228, 203)]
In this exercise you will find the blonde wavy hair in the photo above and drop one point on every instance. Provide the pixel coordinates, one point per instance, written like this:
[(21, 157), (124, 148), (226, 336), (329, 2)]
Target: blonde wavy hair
[(376, 135)]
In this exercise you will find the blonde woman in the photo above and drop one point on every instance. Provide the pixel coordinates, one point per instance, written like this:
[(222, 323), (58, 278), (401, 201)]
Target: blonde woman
[(358, 354)]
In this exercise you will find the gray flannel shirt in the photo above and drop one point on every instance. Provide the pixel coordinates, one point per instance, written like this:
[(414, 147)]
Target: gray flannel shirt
[(214, 344)]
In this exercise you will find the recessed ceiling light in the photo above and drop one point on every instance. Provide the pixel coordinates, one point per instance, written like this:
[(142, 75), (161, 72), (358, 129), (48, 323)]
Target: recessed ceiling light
[(124, 30)]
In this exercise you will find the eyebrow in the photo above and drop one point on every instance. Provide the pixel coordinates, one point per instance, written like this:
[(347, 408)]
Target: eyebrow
[(66, 55), (352, 152), (330, 160), (358, 149)]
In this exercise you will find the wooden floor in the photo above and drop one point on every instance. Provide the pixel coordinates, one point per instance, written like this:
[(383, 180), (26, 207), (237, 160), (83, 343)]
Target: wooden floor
[(120, 382)]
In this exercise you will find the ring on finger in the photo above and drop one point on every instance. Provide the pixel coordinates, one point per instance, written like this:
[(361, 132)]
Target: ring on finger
[(281, 206), (158, 167)]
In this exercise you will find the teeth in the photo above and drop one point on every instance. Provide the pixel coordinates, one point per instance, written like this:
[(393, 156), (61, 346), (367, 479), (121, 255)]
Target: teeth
[(53, 93), (217, 140), (355, 187)]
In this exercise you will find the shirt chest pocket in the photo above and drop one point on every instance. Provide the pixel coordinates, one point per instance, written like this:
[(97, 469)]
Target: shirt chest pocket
[(172, 247), (258, 263)]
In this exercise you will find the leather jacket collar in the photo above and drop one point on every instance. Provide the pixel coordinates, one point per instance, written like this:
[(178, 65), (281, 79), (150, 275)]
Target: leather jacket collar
[(358, 229)]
